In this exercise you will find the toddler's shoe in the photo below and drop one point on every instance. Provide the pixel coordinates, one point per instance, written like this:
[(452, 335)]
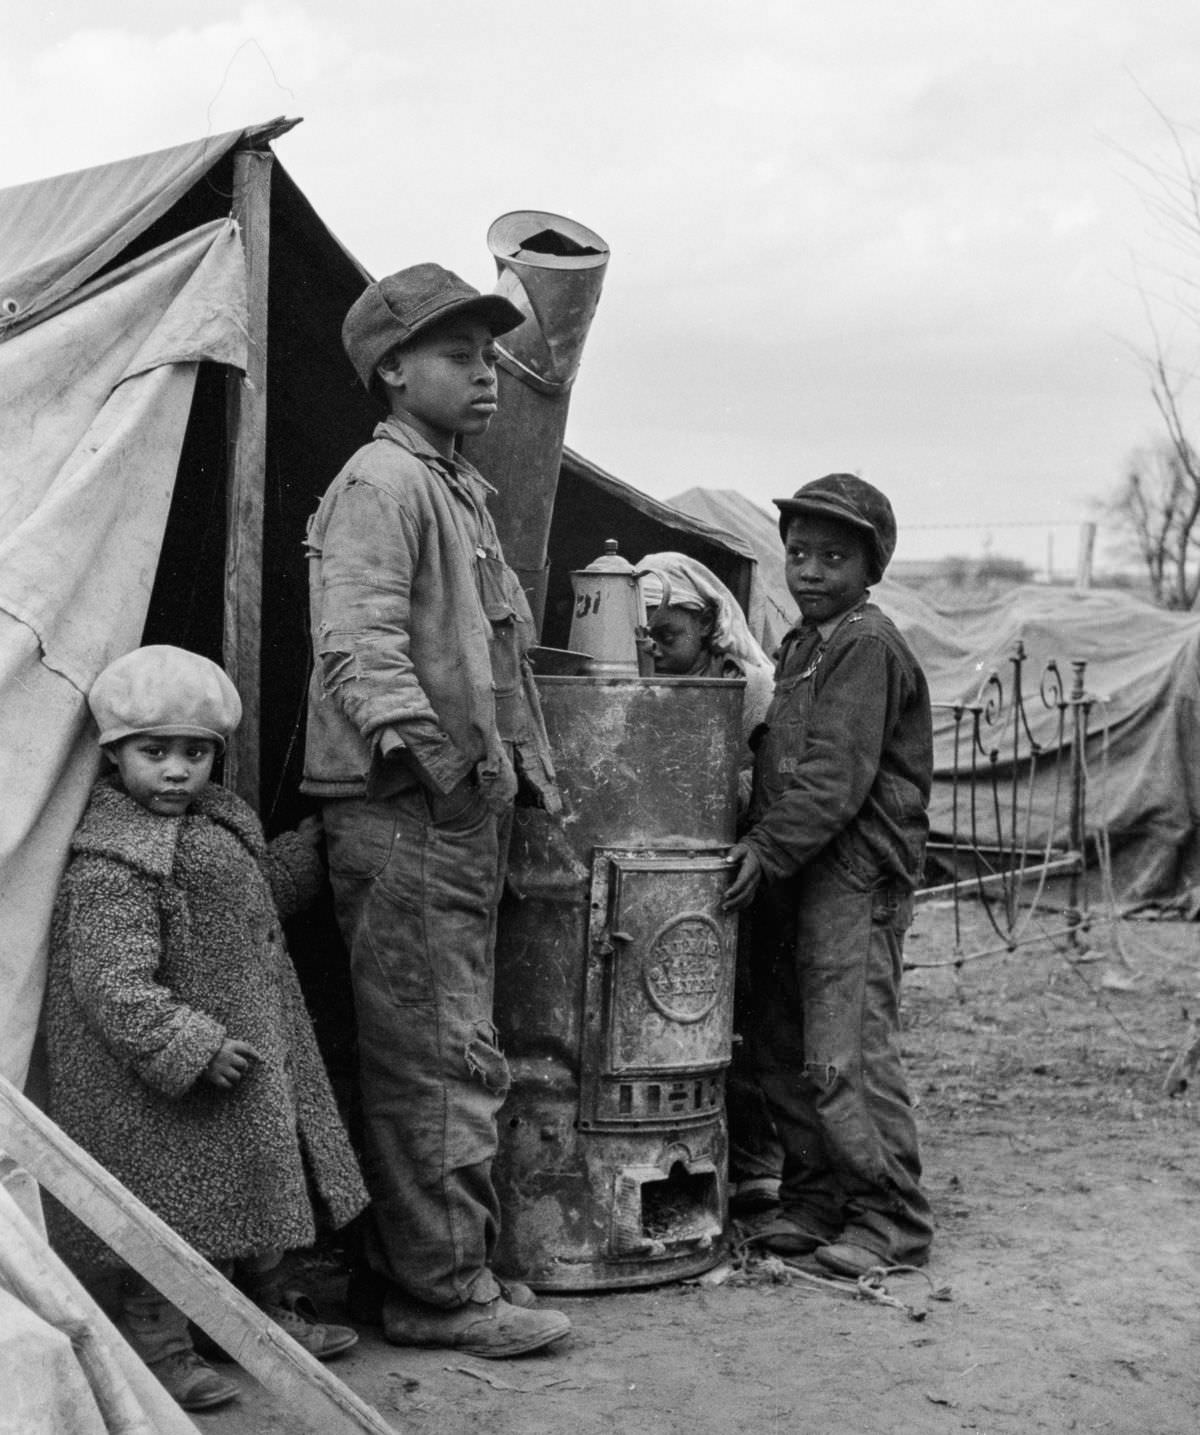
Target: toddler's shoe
[(193, 1383), (294, 1312), (158, 1331)]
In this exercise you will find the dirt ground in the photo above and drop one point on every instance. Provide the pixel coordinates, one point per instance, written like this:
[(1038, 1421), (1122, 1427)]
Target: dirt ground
[(1063, 1290)]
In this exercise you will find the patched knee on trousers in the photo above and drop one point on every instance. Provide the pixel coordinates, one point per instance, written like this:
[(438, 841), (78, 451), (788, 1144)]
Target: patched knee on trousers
[(821, 1073), (486, 1061)]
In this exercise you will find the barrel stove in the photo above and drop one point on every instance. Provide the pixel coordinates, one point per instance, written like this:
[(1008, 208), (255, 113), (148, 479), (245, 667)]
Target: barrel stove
[(614, 988)]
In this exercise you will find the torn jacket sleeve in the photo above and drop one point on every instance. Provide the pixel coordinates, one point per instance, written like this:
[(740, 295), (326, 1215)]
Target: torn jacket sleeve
[(363, 644)]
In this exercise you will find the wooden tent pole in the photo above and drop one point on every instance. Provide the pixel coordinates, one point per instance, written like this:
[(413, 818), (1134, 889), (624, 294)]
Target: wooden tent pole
[(315, 1395), (246, 426)]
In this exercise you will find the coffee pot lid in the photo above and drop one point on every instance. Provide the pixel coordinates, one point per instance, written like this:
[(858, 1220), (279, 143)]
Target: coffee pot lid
[(610, 561)]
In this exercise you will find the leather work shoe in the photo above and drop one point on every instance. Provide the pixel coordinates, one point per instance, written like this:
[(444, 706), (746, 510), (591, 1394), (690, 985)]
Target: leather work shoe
[(844, 1258), (491, 1329), (785, 1237)]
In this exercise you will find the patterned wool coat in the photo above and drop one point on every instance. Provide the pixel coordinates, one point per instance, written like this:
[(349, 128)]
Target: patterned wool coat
[(165, 940)]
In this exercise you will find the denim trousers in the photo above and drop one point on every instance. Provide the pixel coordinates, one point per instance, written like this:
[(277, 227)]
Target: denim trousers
[(754, 1149), (827, 1051), (416, 884)]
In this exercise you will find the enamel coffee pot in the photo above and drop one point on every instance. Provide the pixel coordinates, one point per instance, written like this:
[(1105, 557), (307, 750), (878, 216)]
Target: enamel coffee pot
[(606, 615)]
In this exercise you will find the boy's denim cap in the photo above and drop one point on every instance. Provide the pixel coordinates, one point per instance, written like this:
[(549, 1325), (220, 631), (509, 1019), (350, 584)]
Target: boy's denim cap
[(162, 691), (396, 309), (852, 500)]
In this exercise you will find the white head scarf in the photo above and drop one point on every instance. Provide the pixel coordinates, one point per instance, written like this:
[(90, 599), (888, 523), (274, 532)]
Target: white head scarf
[(677, 581)]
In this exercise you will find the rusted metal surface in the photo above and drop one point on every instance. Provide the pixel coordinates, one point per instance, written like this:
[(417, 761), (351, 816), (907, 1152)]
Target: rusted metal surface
[(552, 268), (614, 987), (657, 967)]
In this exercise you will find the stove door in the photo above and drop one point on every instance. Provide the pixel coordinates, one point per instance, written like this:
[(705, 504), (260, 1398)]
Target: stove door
[(659, 987)]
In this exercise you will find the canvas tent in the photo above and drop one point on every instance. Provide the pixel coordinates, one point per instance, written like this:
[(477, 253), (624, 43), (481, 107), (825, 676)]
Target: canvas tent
[(1142, 754), (176, 399), (134, 316), (758, 531), (592, 505), (1143, 669)]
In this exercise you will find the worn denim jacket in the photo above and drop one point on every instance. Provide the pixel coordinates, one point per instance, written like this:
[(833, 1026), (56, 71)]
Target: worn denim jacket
[(420, 631), (844, 763)]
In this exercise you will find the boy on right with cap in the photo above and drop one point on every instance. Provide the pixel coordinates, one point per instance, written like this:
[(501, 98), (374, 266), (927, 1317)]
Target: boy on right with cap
[(835, 846)]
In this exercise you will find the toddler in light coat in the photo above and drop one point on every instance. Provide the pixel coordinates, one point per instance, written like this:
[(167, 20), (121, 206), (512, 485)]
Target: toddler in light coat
[(181, 1055)]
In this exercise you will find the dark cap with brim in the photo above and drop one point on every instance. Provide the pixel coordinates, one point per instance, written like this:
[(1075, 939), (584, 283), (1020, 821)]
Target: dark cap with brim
[(395, 310), (851, 500), (826, 504)]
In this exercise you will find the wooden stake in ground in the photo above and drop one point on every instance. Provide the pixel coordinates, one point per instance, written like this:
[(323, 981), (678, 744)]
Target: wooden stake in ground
[(117, 1391), (148, 1244)]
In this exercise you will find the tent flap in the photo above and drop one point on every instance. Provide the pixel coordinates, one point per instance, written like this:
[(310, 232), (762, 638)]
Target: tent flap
[(55, 234), (91, 438), (98, 402)]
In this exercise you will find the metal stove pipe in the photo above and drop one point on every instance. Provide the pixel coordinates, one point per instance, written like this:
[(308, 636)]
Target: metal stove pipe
[(552, 269)]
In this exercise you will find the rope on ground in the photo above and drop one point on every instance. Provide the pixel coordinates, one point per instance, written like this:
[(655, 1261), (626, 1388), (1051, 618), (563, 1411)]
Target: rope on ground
[(747, 1266)]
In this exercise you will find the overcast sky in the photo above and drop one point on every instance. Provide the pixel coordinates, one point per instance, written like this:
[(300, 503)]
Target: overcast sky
[(846, 234)]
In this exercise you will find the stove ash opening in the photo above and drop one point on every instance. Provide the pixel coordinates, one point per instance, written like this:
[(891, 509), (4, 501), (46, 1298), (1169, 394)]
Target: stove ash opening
[(680, 1207)]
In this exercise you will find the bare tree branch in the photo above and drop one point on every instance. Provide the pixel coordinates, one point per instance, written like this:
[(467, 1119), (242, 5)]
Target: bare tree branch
[(1158, 502)]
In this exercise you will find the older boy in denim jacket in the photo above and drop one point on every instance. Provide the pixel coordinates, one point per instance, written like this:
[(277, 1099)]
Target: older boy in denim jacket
[(836, 843), (422, 714)]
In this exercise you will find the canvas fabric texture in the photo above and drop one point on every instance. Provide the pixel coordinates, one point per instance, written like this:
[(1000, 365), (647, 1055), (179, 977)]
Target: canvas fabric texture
[(63, 1366), (97, 398)]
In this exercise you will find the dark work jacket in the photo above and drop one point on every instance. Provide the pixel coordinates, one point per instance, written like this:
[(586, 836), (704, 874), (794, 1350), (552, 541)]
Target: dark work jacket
[(420, 629), (845, 765)]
